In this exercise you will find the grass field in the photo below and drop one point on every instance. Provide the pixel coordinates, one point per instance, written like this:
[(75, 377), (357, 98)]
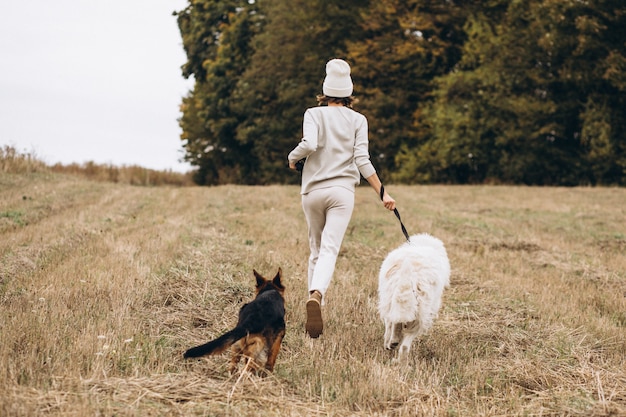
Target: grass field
[(103, 286)]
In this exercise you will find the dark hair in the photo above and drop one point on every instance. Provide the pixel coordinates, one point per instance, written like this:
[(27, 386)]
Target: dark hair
[(323, 100)]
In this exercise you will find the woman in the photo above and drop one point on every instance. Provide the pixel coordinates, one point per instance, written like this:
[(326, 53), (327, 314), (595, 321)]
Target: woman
[(335, 145)]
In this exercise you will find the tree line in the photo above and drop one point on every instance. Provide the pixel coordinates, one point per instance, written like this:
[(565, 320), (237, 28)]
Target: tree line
[(455, 91)]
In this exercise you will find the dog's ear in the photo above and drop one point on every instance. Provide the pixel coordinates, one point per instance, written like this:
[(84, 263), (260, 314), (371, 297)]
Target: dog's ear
[(277, 278), (260, 281)]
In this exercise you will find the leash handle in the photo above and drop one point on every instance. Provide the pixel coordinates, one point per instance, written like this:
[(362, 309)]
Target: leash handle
[(397, 213)]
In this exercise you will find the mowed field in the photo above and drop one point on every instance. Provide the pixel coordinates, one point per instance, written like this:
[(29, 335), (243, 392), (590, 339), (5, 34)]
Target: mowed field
[(103, 286)]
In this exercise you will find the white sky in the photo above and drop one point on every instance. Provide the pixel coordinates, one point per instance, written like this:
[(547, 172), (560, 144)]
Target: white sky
[(93, 80)]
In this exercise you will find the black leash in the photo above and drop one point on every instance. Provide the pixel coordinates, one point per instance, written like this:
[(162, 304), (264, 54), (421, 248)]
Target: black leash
[(397, 213)]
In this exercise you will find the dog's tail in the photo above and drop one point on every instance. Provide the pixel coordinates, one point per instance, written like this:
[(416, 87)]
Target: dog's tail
[(405, 304), (405, 297), (218, 345)]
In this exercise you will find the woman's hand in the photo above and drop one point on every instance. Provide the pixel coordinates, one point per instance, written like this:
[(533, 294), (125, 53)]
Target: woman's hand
[(389, 202)]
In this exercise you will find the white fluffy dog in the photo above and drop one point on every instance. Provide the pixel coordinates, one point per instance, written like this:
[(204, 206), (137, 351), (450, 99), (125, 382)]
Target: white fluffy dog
[(410, 284)]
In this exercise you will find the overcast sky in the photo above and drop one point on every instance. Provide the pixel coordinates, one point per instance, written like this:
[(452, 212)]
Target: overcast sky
[(93, 80)]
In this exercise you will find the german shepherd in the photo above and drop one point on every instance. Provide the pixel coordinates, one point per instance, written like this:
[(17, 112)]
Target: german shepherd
[(259, 331)]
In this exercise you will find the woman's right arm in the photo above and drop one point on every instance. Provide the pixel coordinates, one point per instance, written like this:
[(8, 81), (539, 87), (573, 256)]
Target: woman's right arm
[(388, 201)]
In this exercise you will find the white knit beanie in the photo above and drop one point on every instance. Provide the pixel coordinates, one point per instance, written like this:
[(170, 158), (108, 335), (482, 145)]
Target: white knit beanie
[(337, 82)]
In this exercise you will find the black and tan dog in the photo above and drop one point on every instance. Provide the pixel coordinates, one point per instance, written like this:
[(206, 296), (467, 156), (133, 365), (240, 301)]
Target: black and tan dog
[(259, 331)]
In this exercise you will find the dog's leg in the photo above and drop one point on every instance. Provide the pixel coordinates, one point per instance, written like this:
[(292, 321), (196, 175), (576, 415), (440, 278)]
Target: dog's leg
[(405, 347), (386, 338), (396, 335), (388, 334), (256, 352), (393, 332), (409, 333), (236, 350), (274, 349)]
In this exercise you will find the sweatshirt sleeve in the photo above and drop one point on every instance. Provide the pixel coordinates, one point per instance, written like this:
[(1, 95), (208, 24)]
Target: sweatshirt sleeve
[(308, 144), (361, 150)]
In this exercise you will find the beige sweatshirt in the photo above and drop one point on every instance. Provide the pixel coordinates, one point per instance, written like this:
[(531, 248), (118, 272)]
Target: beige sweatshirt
[(335, 145)]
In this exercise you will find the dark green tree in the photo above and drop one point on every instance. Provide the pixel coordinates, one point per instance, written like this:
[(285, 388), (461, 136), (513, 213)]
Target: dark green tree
[(536, 99), (258, 65), (217, 37), (587, 42), (405, 45), (454, 91), (285, 74)]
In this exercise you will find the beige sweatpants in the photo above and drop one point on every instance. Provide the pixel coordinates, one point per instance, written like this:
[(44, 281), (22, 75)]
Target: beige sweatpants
[(328, 212)]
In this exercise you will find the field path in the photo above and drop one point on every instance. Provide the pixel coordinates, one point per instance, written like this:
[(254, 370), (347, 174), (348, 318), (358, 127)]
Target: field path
[(103, 286)]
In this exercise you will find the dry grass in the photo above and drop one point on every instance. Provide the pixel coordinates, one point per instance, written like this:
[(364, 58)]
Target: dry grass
[(13, 161), (103, 286), (127, 174)]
